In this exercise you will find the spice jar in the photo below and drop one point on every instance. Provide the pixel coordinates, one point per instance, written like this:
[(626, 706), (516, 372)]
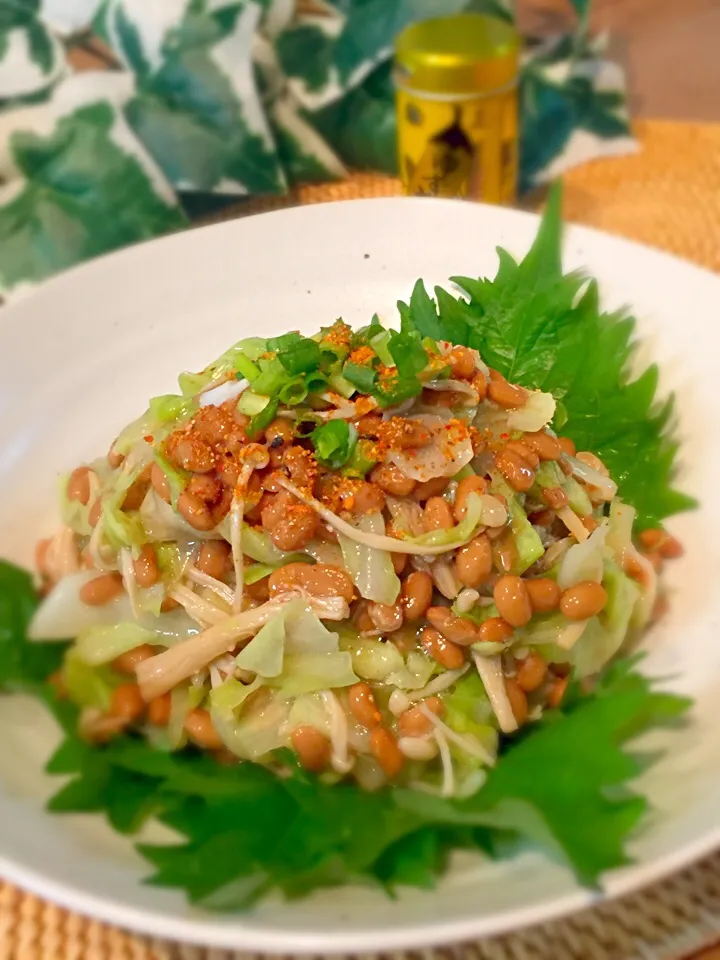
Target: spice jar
[(456, 80)]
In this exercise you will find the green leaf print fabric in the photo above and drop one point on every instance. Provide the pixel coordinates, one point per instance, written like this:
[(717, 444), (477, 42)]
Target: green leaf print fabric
[(204, 101)]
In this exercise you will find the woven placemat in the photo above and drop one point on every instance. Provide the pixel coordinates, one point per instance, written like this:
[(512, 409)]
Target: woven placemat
[(667, 195)]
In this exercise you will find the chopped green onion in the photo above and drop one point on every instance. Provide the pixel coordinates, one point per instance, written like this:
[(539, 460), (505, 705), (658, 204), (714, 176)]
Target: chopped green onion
[(341, 385), (283, 342), (361, 460), (272, 376), (246, 368), (334, 442), (360, 376), (251, 403), (301, 357), (263, 419), (364, 335), (379, 343), (329, 343), (395, 389), (333, 352), (316, 382), (293, 392)]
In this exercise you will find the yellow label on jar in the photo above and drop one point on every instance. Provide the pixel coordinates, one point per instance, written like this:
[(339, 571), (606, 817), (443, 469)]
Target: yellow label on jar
[(465, 148)]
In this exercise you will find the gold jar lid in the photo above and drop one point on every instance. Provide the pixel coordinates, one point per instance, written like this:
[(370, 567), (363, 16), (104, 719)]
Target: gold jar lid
[(469, 53)]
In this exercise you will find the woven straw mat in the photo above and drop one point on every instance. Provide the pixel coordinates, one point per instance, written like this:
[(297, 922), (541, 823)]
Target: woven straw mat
[(668, 195)]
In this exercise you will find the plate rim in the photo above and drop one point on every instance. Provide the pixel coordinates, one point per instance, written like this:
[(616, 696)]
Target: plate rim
[(231, 932), (26, 295)]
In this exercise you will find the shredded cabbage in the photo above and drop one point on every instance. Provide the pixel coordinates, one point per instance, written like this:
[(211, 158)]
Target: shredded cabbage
[(265, 653), (164, 671), (406, 515), (444, 680), (98, 645), (429, 544), (448, 773), (170, 408), (134, 433), (183, 698), (620, 528), (177, 479), (549, 474), (602, 487), (371, 570), (231, 695), (309, 709), (382, 662), (86, 685), (172, 560), (537, 411), (62, 614), (606, 633), (251, 403), (295, 630), (255, 572), (372, 659), (258, 732), (73, 513), (305, 632), (161, 522), (418, 671), (528, 545), (584, 561), (312, 672), (468, 744), (158, 421), (323, 552), (461, 532), (258, 546), (573, 522), (62, 557), (224, 367), (578, 500), (468, 709), (543, 631), (121, 529)]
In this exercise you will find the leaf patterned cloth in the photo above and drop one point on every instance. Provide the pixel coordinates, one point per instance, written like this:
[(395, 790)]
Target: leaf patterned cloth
[(211, 99)]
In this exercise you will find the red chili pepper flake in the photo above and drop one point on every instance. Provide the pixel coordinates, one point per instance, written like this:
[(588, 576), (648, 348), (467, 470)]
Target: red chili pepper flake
[(149, 439)]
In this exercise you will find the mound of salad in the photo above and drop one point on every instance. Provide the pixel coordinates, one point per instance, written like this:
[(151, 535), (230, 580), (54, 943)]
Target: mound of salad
[(368, 566)]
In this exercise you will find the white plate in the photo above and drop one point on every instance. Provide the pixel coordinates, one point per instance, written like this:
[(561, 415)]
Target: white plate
[(81, 357)]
